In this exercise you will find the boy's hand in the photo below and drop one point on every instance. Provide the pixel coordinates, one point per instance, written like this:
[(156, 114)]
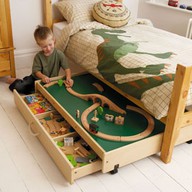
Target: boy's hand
[(46, 79), (69, 83)]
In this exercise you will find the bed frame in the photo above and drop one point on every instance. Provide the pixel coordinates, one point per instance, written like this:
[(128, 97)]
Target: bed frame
[(178, 123)]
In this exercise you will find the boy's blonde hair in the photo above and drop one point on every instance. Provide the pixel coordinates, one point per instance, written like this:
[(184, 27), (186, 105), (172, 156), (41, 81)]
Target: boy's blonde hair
[(42, 32)]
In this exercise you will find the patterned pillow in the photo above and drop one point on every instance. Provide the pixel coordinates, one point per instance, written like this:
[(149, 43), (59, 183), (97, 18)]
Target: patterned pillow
[(111, 13), (76, 10)]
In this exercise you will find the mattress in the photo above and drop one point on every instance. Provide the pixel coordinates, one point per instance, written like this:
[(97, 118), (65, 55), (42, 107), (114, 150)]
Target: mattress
[(58, 27), (57, 30)]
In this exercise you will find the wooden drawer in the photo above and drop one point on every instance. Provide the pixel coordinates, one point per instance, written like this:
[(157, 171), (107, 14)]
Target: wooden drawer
[(50, 140), (112, 154), (116, 154)]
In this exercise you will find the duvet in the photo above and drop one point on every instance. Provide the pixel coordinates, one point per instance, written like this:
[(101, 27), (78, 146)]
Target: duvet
[(138, 58)]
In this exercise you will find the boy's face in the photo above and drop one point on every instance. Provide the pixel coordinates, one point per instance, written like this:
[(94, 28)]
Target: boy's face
[(47, 45)]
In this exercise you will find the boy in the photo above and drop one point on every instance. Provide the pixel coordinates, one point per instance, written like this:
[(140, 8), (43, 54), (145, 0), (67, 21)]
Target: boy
[(46, 64)]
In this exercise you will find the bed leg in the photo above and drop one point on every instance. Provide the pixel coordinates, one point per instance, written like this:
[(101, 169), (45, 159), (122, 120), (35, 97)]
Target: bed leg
[(48, 13), (176, 111)]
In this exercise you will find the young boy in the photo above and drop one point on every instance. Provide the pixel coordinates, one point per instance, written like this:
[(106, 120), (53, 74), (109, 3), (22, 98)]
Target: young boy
[(46, 64)]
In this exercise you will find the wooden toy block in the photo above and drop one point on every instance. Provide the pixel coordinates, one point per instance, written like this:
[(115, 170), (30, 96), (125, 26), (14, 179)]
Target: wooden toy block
[(68, 150), (51, 126), (81, 149), (119, 120), (56, 125), (109, 118), (68, 141), (62, 131)]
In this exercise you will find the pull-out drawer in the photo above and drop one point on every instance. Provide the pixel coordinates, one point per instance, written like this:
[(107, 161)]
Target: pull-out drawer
[(114, 153), (73, 159)]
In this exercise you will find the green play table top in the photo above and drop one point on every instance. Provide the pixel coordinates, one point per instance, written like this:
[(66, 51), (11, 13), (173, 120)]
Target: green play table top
[(134, 122)]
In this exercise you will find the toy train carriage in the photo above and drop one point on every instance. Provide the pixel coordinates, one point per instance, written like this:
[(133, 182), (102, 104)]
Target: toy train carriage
[(93, 128)]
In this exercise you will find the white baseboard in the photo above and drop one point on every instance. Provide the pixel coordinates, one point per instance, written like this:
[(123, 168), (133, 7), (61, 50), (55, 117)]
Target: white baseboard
[(24, 58)]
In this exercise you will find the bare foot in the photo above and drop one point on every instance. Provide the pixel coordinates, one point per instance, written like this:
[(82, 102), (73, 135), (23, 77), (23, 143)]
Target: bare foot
[(10, 80)]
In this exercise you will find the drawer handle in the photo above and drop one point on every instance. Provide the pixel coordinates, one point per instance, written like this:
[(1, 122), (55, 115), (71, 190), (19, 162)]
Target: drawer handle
[(31, 131)]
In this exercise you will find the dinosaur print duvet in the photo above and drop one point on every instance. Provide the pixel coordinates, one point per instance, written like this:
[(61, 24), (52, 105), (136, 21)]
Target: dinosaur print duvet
[(138, 59)]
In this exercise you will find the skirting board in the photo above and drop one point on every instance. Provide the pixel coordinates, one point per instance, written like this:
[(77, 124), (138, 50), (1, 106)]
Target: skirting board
[(24, 58)]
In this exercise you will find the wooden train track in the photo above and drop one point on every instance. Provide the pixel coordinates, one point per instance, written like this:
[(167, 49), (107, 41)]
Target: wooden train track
[(100, 100), (114, 107)]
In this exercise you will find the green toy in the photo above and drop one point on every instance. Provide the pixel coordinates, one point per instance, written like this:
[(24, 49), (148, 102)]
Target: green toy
[(83, 164), (60, 82), (100, 110), (92, 156), (72, 160), (60, 143)]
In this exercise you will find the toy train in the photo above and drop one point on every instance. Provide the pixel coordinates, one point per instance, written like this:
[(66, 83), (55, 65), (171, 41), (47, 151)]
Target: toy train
[(93, 128)]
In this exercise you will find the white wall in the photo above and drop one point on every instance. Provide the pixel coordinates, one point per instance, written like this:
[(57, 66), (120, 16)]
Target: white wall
[(132, 6), (26, 15), (165, 18)]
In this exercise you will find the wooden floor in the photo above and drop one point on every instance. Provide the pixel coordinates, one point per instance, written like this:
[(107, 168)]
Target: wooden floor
[(25, 166)]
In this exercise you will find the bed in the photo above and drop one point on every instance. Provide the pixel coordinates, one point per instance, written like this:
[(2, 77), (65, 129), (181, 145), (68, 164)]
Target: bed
[(149, 66)]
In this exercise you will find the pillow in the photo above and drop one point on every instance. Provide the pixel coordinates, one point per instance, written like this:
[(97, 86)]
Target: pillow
[(76, 10), (111, 13)]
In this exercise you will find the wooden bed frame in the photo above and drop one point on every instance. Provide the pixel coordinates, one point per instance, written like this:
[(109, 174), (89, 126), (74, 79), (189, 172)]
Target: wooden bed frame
[(178, 123)]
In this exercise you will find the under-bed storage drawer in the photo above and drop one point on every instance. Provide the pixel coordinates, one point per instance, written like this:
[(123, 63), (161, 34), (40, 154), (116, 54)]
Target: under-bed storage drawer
[(70, 152), (113, 154)]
